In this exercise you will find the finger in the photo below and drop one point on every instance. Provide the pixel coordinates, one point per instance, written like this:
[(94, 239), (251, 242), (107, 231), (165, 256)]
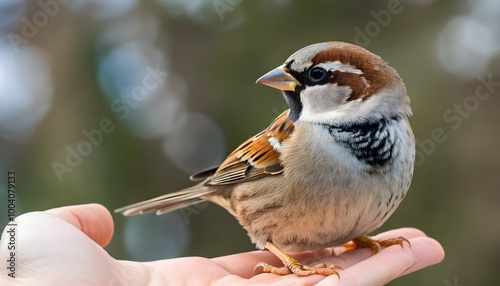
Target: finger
[(92, 219), (346, 259), (406, 232), (391, 263), (242, 264), (426, 252), (379, 269)]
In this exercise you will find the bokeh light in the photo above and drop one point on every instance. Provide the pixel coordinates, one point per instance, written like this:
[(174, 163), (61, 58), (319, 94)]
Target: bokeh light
[(469, 42), (10, 12), (103, 9), (25, 91), (466, 47)]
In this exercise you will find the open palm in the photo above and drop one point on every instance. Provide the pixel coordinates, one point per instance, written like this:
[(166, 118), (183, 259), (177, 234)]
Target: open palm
[(64, 246)]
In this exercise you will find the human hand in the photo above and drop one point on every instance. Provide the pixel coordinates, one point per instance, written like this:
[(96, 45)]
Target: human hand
[(64, 246)]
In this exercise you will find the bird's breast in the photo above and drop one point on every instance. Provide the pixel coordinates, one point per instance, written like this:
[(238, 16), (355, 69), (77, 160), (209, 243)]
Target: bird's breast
[(327, 195)]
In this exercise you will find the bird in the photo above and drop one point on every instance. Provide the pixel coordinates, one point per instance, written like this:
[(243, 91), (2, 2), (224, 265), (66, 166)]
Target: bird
[(327, 171)]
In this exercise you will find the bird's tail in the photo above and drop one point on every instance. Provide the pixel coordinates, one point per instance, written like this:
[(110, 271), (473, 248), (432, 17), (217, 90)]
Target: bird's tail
[(168, 202)]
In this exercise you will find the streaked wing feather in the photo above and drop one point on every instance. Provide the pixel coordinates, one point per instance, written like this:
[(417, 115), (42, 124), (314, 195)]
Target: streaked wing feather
[(203, 174), (256, 157)]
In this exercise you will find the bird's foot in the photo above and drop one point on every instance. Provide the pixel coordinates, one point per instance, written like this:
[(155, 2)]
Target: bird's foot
[(293, 266), (375, 244), (297, 268)]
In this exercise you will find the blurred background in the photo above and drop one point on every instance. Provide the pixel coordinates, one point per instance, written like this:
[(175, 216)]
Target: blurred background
[(119, 101)]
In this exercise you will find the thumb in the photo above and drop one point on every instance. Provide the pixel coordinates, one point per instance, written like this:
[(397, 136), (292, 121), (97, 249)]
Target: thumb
[(92, 219)]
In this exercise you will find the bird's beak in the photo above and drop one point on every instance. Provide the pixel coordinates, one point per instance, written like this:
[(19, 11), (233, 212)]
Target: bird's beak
[(280, 79)]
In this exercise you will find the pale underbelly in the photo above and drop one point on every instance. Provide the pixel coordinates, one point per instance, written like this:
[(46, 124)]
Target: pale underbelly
[(319, 224)]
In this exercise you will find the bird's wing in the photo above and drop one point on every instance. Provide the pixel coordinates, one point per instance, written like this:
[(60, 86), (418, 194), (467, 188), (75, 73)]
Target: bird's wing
[(257, 157)]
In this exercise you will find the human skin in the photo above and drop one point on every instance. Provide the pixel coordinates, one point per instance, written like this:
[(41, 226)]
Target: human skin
[(64, 246)]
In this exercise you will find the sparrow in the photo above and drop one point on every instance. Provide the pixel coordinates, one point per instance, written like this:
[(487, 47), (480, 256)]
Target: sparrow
[(327, 171)]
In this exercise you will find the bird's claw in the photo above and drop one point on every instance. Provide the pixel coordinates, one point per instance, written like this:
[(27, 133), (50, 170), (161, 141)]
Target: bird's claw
[(298, 269), (376, 244)]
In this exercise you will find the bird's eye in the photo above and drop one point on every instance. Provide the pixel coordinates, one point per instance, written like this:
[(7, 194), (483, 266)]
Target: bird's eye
[(317, 74)]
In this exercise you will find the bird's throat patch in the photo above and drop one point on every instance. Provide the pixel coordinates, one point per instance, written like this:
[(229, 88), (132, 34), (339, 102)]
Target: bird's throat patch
[(293, 100)]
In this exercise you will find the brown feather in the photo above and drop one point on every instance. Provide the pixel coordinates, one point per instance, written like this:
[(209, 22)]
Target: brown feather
[(252, 158), (376, 72)]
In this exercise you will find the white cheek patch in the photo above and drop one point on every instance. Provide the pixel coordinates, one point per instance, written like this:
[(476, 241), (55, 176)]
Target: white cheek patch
[(321, 98), (386, 101), (338, 66)]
